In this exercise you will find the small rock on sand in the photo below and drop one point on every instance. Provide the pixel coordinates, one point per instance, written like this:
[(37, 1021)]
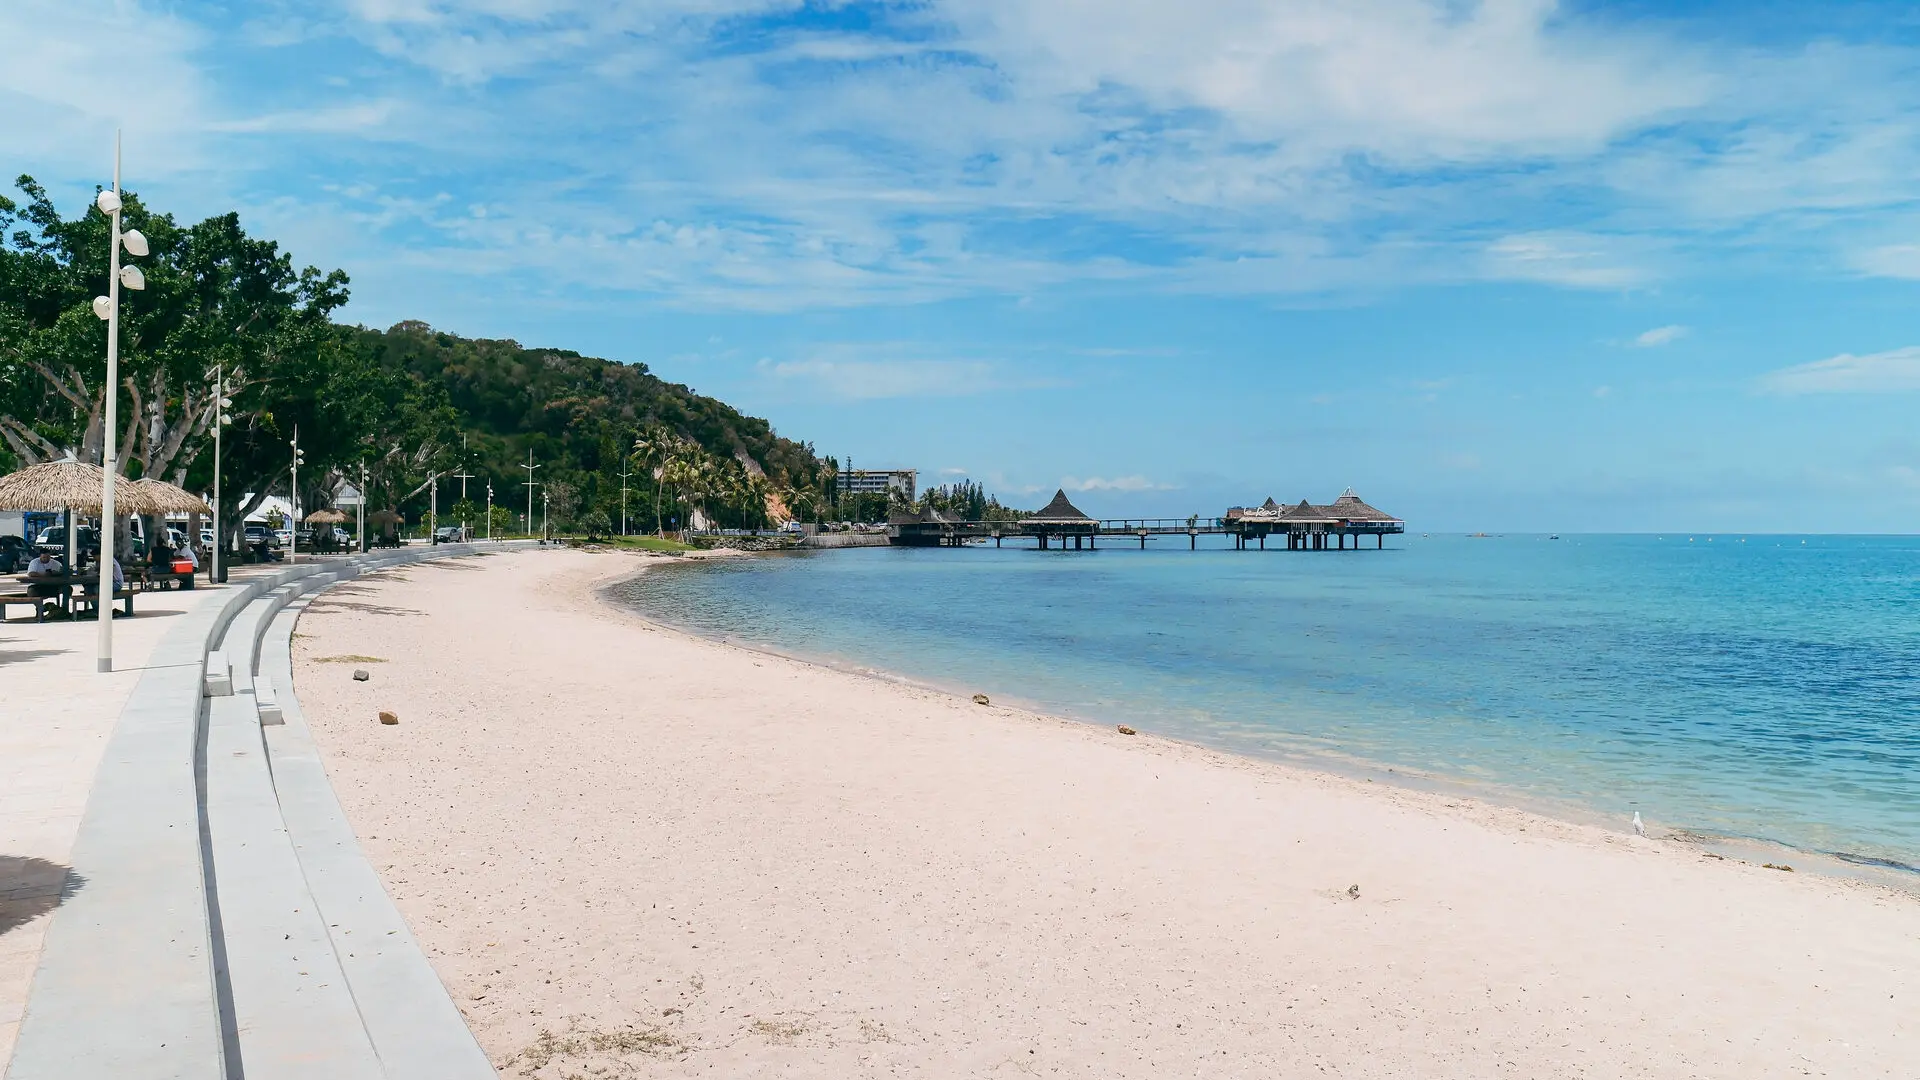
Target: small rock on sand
[(980, 699), (361, 675), (389, 718), (1125, 730), (1353, 892)]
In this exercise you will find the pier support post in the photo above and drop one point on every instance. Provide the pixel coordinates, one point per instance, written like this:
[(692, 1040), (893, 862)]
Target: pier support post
[(1090, 541), (1263, 541), (1380, 541), (1193, 541)]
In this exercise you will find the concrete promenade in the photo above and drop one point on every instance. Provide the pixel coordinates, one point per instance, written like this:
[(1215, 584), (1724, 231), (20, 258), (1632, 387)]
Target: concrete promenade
[(179, 893)]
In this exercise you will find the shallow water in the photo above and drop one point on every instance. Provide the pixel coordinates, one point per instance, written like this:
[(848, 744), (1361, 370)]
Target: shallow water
[(1760, 686)]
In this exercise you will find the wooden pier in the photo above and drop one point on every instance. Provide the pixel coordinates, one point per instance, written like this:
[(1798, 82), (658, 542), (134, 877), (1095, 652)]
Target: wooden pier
[(1302, 527)]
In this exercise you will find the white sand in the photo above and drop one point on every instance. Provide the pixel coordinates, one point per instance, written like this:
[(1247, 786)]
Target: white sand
[(632, 849)]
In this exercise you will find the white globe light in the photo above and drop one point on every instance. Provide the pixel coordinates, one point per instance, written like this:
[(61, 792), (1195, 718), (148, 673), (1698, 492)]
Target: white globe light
[(132, 278), (135, 243), (108, 202), (103, 307)]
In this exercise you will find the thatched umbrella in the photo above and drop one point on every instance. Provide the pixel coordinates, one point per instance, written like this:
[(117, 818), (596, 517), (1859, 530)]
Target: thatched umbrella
[(171, 499), (326, 517), (70, 485)]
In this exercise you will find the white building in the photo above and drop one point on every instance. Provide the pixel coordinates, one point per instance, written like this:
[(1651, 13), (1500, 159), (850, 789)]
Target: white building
[(880, 482)]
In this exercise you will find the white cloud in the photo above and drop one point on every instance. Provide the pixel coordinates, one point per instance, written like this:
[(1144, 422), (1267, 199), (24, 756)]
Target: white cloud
[(685, 151), (1659, 335), (1890, 371), (1118, 483), (1564, 258), (1603, 391), (862, 380), (1890, 260), (77, 69)]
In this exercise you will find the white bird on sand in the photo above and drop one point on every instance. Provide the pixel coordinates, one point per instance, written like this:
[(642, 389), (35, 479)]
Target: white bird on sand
[(1639, 827)]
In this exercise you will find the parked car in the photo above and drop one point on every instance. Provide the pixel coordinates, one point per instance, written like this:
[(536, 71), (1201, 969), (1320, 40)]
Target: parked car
[(449, 534), (14, 554), (262, 544)]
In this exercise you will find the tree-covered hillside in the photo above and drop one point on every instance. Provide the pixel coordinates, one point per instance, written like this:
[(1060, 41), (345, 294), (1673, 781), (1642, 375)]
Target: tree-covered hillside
[(411, 406), (581, 417)]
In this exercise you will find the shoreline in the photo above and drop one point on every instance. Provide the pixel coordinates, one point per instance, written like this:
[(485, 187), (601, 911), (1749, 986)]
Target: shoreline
[(1898, 877), (628, 850)]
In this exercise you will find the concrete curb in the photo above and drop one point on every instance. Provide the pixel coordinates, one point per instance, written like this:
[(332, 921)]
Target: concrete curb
[(132, 980)]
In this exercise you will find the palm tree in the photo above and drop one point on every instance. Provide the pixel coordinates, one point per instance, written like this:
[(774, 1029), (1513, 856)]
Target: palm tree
[(797, 497), (650, 451)]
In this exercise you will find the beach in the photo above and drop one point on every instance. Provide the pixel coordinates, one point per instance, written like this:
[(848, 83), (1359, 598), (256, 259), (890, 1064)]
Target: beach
[(632, 849)]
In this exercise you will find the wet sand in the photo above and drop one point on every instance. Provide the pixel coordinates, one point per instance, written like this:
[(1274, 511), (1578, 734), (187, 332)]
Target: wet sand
[(628, 848)]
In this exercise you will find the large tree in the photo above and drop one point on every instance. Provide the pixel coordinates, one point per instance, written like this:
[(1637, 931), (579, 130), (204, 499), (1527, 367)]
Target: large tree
[(216, 298)]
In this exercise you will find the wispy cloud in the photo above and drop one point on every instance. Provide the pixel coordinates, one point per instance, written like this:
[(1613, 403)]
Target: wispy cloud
[(769, 155), (1565, 258), (1882, 372), (868, 379), (1118, 483), (1658, 336)]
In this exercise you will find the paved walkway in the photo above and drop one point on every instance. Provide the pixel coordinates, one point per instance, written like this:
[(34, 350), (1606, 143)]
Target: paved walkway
[(56, 713)]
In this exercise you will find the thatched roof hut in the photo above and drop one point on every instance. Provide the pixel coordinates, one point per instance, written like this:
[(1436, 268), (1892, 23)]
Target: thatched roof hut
[(171, 499), (326, 517), (384, 518), (1348, 507), (70, 485), (1305, 511), (1059, 512)]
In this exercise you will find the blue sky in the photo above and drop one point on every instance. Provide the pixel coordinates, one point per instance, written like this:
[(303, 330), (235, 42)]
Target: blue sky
[(1504, 265)]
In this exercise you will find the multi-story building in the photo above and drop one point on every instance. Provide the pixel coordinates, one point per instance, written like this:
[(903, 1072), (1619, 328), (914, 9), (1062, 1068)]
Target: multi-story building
[(880, 482)]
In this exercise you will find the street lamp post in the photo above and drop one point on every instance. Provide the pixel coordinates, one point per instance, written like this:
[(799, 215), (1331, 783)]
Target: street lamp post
[(221, 403), (108, 308), (624, 473), (489, 509), (463, 475), (293, 497), (543, 516), (530, 485), (362, 508)]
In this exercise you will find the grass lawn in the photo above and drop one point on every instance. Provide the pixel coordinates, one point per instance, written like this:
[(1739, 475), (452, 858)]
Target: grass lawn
[(646, 543)]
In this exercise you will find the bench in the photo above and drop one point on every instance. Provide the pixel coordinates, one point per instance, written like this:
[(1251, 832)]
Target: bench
[(39, 604), (92, 600), (150, 578)]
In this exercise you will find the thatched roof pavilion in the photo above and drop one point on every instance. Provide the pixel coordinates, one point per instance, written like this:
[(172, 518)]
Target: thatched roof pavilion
[(1348, 507), (170, 498), (70, 485), (1306, 512), (1059, 512), (326, 517)]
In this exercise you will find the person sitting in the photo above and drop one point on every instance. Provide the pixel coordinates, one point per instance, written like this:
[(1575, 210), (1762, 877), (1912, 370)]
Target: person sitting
[(161, 557), (92, 585), (45, 564)]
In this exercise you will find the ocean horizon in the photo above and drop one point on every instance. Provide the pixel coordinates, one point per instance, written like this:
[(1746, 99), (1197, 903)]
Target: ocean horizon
[(1746, 686)]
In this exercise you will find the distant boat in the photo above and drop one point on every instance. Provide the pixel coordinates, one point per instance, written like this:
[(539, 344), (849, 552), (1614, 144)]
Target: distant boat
[(1555, 536), (1478, 536)]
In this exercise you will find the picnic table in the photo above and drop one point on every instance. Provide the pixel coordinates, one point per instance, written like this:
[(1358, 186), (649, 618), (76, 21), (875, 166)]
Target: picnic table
[(59, 590)]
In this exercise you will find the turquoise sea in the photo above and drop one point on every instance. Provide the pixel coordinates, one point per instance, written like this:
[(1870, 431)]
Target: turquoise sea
[(1763, 687)]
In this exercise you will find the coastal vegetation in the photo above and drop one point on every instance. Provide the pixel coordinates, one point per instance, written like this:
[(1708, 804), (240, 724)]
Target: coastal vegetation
[(428, 418), (412, 406)]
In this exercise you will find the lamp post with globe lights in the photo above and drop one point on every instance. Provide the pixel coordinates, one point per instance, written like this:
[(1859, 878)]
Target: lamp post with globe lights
[(293, 498), (108, 309), (221, 418)]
